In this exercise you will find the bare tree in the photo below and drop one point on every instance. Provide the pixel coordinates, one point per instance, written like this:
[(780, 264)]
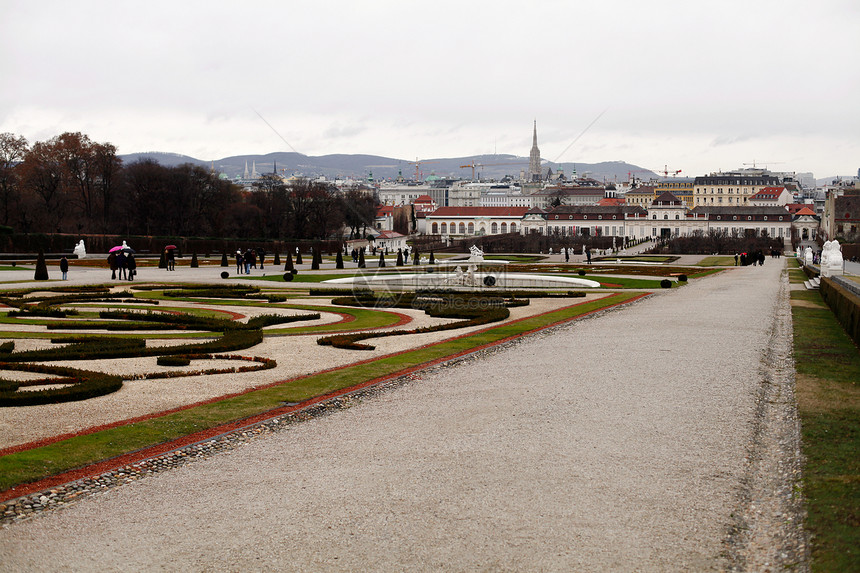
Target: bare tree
[(12, 151)]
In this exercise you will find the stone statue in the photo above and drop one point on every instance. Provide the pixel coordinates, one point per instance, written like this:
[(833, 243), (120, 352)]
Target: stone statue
[(475, 254), (807, 256), (831, 259), (80, 250)]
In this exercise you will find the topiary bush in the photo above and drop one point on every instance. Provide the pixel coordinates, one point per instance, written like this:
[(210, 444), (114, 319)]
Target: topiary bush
[(682, 278), (173, 361), (224, 274), (665, 283), (78, 385)]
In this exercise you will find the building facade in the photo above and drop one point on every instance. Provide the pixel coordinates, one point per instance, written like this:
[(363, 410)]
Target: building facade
[(729, 189)]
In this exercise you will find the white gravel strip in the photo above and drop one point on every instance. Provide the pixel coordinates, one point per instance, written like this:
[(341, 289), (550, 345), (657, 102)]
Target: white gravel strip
[(614, 443)]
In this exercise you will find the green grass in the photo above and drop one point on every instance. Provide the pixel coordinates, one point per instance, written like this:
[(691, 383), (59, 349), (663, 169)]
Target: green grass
[(727, 261), (625, 282), (828, 371), (515, 258), (31, 465)]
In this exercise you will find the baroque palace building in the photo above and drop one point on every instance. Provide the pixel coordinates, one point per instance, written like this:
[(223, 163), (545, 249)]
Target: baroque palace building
[(667, 216)]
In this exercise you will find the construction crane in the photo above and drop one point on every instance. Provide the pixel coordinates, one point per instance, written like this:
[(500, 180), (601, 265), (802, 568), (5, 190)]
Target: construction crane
[(473, 165), (665, 171), (766, 163), (418, 165)]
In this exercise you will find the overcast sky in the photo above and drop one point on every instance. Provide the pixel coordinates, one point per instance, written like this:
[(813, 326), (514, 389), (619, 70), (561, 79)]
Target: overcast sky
[(696, 85)]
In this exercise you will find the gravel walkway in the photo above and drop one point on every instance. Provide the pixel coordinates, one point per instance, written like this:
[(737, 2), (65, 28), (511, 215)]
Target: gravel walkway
[(639, 440)]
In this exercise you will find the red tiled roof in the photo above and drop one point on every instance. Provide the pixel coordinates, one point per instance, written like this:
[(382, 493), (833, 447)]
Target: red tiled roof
[(805, 211), (611, 201)]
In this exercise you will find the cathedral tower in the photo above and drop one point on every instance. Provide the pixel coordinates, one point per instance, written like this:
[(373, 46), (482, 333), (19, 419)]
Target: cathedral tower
[(534, 159)]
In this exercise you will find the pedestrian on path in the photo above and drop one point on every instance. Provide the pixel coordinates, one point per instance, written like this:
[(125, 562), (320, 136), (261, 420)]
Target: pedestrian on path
[(64, 268), (132, 266)]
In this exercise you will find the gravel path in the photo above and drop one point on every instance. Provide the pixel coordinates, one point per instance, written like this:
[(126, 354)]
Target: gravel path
[(639, 440)]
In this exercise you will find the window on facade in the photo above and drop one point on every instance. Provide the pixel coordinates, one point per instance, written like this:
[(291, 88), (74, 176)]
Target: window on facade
[(653, 216), (570, 216), (494, 228), (665, 216), (718, 217), (749, 217), (513, 227), (435, 228), (765, 217), (504, 227), (444, 228), (677, 217), (471, 228), (463, 228)]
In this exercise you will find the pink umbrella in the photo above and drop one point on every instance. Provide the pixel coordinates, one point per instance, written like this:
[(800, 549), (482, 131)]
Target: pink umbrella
[(115, 249)]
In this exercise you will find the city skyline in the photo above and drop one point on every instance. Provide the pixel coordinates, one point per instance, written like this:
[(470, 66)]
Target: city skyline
[(699, 88)]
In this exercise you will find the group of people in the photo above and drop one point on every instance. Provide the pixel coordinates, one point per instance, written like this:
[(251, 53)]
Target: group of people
[(247, 260), (122, 264), (756, 258)]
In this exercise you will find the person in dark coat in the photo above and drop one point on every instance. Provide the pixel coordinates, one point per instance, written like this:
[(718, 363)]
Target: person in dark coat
[(120, 265), (64, 268), (132, 266), (239, 262), (262, 255), (171, 260), (112, 264)]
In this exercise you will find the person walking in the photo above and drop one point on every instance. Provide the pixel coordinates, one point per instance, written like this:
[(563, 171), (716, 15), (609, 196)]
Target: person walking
[(248, 258), (239, 262), (262, 254), (112, 264), (132, 266), (120, 265), (171, 260), (64, 267)]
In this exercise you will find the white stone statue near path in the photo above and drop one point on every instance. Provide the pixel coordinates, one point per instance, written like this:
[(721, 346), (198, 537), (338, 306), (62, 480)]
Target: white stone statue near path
[(80, 250), (831, 259), (807, 256)]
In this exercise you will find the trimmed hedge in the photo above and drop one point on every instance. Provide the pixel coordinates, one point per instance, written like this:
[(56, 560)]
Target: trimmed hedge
[(173, 361), (84, 384)]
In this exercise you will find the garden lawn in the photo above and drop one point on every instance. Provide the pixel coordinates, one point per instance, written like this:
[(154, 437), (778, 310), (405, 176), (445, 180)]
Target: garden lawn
[(828, 371), (31, 465)]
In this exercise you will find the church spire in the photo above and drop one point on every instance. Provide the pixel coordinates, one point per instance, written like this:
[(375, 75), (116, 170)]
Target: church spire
[(534, 159)]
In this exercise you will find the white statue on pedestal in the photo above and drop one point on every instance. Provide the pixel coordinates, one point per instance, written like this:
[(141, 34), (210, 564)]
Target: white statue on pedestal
[(807, 256), (476, 255), (831, 264), (80, 250)]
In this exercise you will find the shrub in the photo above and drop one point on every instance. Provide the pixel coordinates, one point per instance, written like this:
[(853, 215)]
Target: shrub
[(682, 278), (665, 283), (224, 274), (580, 272), (173, 361), (224, 261), (83, 384), (194, 263), (41, 268), (288, 277)]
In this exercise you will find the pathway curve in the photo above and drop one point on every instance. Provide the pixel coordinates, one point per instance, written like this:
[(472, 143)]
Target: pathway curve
[(628, 441)]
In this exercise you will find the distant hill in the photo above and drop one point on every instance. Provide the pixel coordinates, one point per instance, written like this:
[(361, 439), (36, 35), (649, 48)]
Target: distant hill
[(361, 166)]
